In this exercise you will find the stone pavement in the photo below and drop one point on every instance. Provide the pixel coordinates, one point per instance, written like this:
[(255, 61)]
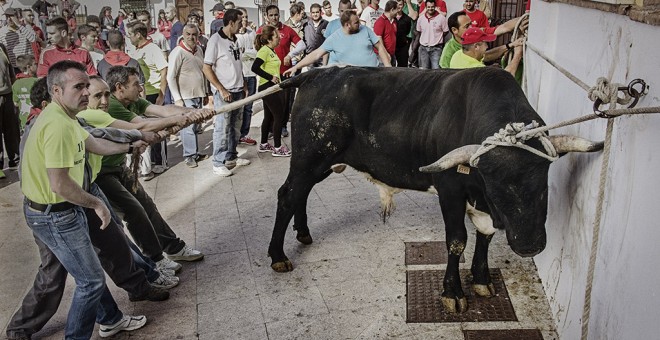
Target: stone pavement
[(349, 284)]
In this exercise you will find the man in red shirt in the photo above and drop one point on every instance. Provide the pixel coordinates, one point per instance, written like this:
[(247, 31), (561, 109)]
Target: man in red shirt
[(62, 49), (385, 28), (478, 17), (287, 37)]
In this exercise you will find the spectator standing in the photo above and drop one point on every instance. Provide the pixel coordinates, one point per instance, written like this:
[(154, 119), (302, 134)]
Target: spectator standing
[(188, 87), (117, 57), (94, 21), (353, 45), (88, 38), (23, 86), (177, 26), (267, 66), (404, 25), (195, 20), (432, 27), (335, 25), (218, 15), (154, 67), (371, 13), (327, 11), (224, 69), (69, 5), (295, 21), (313, 32), (478, 18), (16, 37), (40, 38), (62, 49), (41, 9), (9, 126), (152, 33), (246, 37), (107, 22), (164, 25), (385, 28), (71, 21)]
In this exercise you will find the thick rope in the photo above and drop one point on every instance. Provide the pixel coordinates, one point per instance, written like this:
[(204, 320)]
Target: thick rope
[(508, 136)]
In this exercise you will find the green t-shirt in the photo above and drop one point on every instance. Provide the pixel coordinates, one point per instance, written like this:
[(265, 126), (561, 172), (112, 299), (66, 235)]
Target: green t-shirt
[(21, 90), (451, 47), (55, 141), (407, 12), (460, 60), (271, 63), (97, 119), (127, 114)]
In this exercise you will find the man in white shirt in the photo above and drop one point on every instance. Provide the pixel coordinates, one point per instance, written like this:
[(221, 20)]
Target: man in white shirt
[(371, 13), (224, 69), (188, 87), (327, 11), (152, 34)]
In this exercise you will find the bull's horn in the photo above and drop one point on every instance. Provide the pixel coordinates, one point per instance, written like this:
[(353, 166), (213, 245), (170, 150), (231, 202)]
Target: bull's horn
[(454, 158), (566, 143)]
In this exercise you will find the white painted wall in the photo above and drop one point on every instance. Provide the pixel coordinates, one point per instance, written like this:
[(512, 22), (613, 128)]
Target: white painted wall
[(591, 44)]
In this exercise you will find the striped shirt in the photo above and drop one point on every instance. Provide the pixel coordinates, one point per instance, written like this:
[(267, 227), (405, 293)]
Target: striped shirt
[(18, 42)]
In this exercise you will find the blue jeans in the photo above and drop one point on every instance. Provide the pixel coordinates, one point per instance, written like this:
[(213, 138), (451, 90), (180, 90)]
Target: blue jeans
[(247, 109), (429, 57), (227, 129), (66, 234), (187, 134)]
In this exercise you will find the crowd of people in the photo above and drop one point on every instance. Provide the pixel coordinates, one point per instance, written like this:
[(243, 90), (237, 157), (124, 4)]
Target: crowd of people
[(76, 96)]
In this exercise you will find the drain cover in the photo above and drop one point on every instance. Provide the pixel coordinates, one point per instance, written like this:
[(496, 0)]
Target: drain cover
[(434, 252), (504, 334), (424, 304)]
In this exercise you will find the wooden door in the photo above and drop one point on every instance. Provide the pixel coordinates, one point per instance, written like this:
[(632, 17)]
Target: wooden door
[(183, 8)]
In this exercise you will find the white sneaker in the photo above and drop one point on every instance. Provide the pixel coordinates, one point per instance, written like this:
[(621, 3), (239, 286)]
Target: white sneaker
[(166, 272), (159, 169), (166, 263), (242, 162), (127, 323), (186, 254), (222, 171), (165, 282)]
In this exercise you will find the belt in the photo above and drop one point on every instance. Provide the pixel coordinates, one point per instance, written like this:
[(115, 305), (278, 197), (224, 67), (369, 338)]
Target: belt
[(62, 206)]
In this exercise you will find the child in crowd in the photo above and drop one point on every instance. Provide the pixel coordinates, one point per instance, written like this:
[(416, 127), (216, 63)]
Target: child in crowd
[(23, 85), (267, 67)]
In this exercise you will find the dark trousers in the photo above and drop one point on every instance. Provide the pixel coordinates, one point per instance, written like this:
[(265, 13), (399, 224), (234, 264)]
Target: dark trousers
[(273, 113), (414, 49), (9, 129), (158, 150), (42, 301), (289, 97), (144, 222), (401, 55)]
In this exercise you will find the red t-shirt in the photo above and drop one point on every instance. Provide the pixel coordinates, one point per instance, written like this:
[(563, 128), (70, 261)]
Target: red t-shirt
[(287, 37), (53, 54), (440, 6), (478, 18), (386, 30)]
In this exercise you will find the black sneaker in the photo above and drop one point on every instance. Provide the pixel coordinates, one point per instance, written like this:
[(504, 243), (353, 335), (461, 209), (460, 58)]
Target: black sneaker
[(200, 157), (13, 164), (154, 294)]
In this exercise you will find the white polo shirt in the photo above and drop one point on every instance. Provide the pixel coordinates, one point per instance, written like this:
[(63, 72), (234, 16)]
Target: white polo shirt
[(224, 56)]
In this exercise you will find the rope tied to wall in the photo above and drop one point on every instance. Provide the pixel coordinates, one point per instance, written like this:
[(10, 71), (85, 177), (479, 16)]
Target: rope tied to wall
[(510, 136)]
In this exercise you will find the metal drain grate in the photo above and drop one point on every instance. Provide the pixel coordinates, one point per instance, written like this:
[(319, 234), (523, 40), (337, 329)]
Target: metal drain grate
[(504, 334), (424, 305), (419, 253)]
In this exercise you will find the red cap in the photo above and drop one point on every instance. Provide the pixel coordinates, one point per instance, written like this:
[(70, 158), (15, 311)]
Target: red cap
[(474, 35)]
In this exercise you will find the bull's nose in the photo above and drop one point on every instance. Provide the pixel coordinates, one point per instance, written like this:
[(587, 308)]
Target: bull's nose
[(528, 252), (529, 249)]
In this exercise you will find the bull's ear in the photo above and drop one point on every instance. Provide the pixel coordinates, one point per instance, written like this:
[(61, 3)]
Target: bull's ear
[(454, 158), (567, 143)]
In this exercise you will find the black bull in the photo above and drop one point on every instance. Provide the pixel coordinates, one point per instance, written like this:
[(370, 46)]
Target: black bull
[(390, 122)]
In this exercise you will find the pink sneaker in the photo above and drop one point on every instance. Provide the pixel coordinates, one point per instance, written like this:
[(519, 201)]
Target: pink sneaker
[(282, 151), (266, 147), (247, 140)]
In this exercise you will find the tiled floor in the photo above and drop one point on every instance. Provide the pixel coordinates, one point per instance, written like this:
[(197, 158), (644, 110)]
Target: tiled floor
[(349, 284)]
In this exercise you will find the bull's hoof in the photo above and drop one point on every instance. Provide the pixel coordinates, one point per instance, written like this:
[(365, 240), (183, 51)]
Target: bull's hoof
[(282, 267), (455, 305), (484, 290), (304, 239)]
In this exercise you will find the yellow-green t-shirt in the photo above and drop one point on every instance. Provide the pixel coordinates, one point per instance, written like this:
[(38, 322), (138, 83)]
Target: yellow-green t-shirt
[(97, 119), (460, 60), (271, 63), (56, 141)]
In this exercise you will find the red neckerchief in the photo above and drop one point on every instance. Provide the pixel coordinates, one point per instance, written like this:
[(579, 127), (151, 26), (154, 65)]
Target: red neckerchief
[(193, 51), (23, 75), (145, 44), (220, 15), (34, 113), (429, 18)]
